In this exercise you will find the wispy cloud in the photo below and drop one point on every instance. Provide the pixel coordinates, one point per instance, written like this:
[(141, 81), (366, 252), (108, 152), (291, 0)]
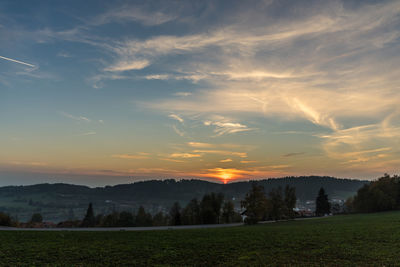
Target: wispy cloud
[(281, 166), (200, 145), (157, 77), (178, 131), (364, 144), (185, 155), (182, 94), (64, 54), (325, 82), (77, 118), (29, 163), (225, 146), (133, 13), (86, 134), (293, 154), (172, 160), (176, 117), (222, 152), (332, 21), (248, 161), (226, 127), (121, 66), (130, 156)]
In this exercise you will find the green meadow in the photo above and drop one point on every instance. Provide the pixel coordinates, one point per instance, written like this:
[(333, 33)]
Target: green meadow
[(346, 240)]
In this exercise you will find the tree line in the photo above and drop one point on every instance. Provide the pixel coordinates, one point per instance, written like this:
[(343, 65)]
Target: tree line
[(380, 195), (212, 209), (278, 205), (7, 220)]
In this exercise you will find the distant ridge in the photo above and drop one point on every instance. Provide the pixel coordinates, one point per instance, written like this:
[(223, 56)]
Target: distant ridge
[(57, 200)]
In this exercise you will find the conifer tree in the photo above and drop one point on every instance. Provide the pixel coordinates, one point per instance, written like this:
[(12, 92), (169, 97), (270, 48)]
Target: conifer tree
[(89, 220), (322, 204), (175, 214)]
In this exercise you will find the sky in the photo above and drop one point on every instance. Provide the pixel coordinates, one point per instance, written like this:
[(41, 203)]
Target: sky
[(108, 92)]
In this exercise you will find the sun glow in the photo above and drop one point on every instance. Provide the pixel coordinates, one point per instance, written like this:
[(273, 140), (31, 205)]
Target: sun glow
[(225, 175)]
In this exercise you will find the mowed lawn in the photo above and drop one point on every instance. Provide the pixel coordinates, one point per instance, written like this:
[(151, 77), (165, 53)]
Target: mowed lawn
[(353, 240)]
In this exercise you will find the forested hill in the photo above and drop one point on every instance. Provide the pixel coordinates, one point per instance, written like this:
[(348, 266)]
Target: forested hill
[(184, 190), (58, 199)]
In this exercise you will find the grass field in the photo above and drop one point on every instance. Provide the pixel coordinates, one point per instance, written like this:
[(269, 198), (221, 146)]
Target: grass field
[(353, 240)]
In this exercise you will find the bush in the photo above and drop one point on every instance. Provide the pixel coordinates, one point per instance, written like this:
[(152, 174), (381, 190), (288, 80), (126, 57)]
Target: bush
[(36, 218), (5, 219)]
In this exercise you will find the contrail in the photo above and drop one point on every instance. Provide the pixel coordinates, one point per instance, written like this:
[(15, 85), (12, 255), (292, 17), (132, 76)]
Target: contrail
[(17, 61)]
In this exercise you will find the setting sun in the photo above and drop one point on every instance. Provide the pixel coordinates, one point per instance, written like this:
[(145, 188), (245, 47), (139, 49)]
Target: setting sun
[(225, 175)]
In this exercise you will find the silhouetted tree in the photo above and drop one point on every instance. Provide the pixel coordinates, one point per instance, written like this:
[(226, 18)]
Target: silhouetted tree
[(143, 218), (336, 208), (89, 220), (276, 204), (322, 204), (237, 217), (36, 218), (110, 220), (228, 212), (160, 219), (210, 208), (255, 204), (71, 215), (5, 219), (125, 219), (218, 199), (380, 195), (191, 213), (99, 220), (290, 201), (349, 205), (175, 214), (208, 215)]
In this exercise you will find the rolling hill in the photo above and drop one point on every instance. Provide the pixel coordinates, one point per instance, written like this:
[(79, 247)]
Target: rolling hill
[(66, 201)]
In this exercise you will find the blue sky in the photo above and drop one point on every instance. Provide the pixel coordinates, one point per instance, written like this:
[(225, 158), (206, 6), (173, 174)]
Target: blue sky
[(107, 92)]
